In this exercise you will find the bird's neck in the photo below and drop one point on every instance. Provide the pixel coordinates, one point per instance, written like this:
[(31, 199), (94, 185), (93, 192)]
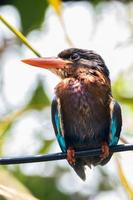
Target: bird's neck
[(97, 84)]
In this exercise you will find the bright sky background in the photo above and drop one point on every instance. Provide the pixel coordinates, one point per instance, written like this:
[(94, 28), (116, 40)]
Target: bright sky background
[(103, 36)]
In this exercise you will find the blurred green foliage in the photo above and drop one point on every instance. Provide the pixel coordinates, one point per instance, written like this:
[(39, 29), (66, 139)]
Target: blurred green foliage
[(32, 15), (39, 99), (43, 188), (31, 12)]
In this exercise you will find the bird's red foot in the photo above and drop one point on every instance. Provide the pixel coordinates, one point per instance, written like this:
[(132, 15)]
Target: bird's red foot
[(71, 156), (105, 151)]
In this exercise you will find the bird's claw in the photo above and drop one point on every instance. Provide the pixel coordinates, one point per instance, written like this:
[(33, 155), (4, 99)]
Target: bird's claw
[(71, 156), (105, 151)]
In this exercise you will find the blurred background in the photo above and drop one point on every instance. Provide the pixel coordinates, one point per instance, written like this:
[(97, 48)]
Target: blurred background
[(26, 94)]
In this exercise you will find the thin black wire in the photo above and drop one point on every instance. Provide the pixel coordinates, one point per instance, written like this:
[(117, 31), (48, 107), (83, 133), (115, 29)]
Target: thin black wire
[(60, 156)]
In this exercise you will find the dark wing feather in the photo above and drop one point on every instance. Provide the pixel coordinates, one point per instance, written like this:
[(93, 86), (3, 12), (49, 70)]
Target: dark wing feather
[(115, 126), (116, 123), (56, 120)]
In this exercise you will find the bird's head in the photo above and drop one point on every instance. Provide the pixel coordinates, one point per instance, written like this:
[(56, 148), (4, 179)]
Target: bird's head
[(70, 62)]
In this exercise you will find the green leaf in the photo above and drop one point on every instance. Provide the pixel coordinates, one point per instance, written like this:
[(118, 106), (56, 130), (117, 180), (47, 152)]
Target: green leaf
[(122, 89), (46, 146), (39, 100), (32, 12), (42, 187)]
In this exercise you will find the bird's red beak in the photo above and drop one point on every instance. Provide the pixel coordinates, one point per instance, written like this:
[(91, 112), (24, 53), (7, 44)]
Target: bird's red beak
[(47, 63)]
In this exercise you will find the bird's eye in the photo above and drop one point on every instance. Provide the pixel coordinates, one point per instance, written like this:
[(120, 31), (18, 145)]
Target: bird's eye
[(75, 57)]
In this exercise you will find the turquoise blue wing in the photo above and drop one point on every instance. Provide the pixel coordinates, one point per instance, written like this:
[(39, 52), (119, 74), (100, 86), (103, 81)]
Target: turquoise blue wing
[(58, 127), (116, 123)]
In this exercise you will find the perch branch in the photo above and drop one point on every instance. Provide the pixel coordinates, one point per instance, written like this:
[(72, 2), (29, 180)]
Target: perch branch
[(60, 156)]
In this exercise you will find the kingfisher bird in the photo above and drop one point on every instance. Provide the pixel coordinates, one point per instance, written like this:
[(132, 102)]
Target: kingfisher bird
[(84, 113)]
